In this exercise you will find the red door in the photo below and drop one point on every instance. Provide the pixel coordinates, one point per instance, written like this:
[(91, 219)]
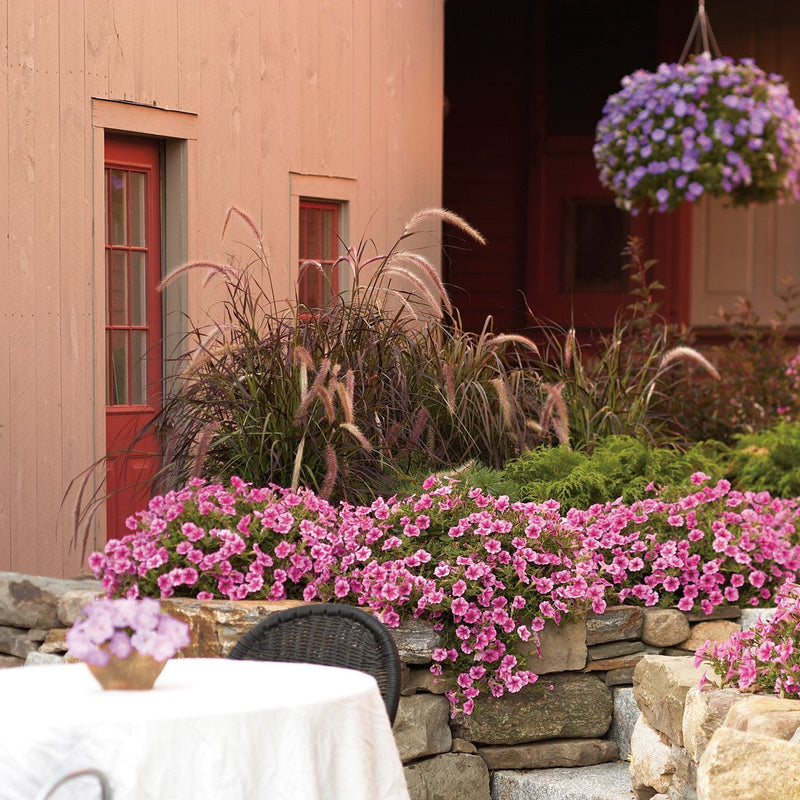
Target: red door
[(132, 323), (576, 262)]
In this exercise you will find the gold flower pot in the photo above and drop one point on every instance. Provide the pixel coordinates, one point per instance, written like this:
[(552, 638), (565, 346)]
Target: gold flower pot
[(136, 672)]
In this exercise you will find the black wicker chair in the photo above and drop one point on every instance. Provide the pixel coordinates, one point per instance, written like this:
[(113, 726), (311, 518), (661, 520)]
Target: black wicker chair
[(332, 634)]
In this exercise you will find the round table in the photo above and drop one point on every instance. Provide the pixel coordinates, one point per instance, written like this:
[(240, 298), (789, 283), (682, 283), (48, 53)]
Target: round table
[(210, 728)]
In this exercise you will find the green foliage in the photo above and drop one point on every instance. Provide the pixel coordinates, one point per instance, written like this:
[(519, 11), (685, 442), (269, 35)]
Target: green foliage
[(546, 473), (768, 460), (757, 383), (473, 474), (619, 466), (622, 382), (352, 398)]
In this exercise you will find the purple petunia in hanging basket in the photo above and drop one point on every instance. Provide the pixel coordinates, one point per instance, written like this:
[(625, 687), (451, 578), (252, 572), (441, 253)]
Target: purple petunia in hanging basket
[(711, 126)]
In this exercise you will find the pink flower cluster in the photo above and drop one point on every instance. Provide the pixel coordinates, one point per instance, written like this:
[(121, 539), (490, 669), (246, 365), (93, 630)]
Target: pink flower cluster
[(487, 573), (711, 547), (766, 658), (118, 627), (792, 373)]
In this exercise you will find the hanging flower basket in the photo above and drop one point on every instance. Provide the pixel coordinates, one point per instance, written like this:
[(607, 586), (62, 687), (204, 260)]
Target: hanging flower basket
[(710, 126)]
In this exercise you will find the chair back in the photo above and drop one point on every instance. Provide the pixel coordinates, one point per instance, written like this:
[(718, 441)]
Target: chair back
[(331, 634), (49, 789)]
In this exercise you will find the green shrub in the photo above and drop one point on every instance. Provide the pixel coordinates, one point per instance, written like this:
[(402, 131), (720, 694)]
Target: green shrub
[(768, 460), (473, 474), (619, 466)]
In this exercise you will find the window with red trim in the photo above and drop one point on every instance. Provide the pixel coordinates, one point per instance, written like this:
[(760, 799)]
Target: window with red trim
[(133, 326), (318, 253)]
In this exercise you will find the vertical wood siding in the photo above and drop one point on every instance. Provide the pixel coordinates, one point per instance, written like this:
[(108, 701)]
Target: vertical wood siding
[(342, 88), (747, 253), (22, 429), (5, 310)]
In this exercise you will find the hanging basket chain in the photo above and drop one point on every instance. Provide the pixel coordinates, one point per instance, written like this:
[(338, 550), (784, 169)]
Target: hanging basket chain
[(701, 27)]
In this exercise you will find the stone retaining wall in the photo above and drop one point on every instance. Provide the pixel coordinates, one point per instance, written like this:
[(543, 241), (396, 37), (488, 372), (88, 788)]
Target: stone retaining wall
[(586, 718), (690, 743)]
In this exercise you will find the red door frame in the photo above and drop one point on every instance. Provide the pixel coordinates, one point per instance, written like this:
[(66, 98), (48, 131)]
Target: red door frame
[(565, 169), (133, 454)]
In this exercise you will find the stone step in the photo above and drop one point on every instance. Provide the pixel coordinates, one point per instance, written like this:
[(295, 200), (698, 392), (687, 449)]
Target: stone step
[(601, 782)]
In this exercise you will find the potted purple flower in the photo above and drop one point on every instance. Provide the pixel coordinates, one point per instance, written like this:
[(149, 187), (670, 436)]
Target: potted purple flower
[(126, 642), (710, 126)]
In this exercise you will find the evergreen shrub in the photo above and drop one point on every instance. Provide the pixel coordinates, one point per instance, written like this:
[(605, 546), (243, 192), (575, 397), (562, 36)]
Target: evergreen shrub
[(619, 466)]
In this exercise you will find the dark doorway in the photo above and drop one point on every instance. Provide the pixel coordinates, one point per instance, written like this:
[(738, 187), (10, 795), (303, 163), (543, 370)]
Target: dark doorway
[(525, 84)]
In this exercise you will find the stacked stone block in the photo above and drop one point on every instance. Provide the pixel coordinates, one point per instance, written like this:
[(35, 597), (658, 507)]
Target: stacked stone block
[(704, 743)]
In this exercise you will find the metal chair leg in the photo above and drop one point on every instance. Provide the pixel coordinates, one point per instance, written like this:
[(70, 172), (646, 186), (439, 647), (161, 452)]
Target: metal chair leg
[(105, 788)]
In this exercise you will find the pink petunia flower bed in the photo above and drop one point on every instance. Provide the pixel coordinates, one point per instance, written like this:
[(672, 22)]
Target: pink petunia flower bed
[(485, 572), (765, 658)]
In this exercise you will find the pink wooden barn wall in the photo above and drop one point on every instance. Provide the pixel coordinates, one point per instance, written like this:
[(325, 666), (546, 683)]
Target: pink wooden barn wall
[(268, 100)]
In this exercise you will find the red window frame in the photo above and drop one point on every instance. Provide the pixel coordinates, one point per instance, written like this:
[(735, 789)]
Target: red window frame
[(318, 253), (125, 321)]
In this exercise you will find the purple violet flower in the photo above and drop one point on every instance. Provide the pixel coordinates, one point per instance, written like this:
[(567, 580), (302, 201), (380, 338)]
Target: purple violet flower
[(118, 626), (735, 129)]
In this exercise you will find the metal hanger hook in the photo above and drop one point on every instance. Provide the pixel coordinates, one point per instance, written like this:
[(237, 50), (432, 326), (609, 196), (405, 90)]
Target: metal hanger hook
[(701, 26)]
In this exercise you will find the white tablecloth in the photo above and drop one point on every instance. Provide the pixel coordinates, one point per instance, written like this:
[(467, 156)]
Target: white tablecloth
[(211, 728)]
